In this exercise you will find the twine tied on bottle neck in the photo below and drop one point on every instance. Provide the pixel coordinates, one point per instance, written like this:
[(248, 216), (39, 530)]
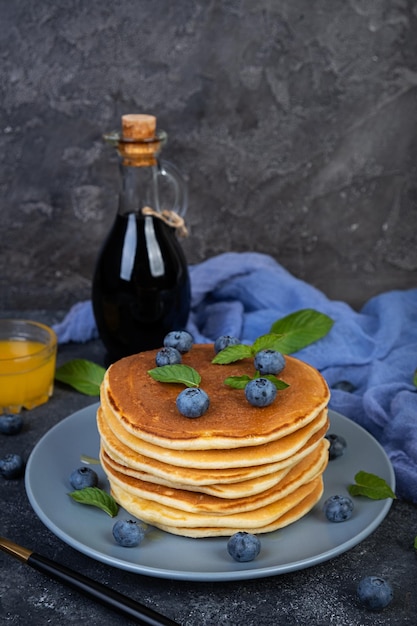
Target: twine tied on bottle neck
[(169, 217)]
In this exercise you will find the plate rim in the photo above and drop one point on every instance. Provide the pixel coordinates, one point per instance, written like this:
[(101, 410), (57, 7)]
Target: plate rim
[(200, 576)]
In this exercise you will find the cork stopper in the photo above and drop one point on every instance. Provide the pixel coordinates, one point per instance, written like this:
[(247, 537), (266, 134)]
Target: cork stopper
[(138, 126)]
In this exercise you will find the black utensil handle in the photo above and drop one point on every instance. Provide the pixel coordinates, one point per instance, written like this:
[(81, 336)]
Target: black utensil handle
[(107, 596)]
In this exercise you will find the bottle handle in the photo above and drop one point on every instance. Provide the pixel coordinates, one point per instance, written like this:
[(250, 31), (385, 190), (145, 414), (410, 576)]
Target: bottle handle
[(176, 180)]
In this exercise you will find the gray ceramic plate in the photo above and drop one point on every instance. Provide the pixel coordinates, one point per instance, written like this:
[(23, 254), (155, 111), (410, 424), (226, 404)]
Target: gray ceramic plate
[(307, 542)]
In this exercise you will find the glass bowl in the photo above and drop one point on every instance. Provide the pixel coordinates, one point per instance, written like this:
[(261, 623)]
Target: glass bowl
[(27, 364)]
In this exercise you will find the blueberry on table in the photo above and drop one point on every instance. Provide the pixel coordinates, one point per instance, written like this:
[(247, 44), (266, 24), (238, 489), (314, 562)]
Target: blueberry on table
[(168, 356), (11, 424), (224, 341), (192, 402), (260, 392), (337, 445), (374, 592), (11, 466), (243, 546), (128, 533), (269, 362), (182, 340), (338, 508), (83, 477)]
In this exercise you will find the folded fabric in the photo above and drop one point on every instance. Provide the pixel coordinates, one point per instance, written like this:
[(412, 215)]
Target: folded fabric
[(368, 358)]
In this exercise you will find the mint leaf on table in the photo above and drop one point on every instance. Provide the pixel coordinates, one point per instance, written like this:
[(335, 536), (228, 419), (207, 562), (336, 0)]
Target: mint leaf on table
[(415, 378), (371, 486), (300, 329), (178, 373), (96, 497), (84, 376)]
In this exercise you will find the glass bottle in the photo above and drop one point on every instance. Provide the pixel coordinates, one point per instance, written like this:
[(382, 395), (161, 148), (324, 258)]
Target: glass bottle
[(141, 286)]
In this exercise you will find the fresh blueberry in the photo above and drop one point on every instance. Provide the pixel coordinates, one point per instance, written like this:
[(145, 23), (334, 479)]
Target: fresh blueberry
[(128, 533), (11, 424), (224, 341), (243, 546), (337, 445), (11, 466), (260, 392), (179, 339), (374, 592), (83, 477), (168, 356), (269, 362), (338, 508), (192, 402)]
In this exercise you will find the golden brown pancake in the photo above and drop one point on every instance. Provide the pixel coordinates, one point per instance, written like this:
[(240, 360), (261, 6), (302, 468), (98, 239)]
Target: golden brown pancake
[(147, 408), (237, 467)]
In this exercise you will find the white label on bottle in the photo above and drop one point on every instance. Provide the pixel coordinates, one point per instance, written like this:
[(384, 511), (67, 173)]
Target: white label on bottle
[(129, 249), (156, 262)]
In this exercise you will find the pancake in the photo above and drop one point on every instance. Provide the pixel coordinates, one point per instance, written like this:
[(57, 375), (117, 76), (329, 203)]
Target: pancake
[(146, 408), (260, 520), (237, 467), (200, 502)]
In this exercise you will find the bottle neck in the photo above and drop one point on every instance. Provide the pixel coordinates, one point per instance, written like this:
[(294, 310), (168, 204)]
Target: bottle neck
[(139, 188)]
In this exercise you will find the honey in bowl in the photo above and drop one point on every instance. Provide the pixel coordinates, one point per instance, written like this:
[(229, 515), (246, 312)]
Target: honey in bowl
[(27, 364)]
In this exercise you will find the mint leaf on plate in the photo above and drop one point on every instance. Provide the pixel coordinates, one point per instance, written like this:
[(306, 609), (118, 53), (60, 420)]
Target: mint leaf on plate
[(84, 376), (370, 486), (178, 373), (96, 497), (300, 329)]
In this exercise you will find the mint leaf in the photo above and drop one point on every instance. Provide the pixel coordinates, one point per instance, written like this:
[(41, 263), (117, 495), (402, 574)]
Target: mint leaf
[(237, 382), (84, 376), (279, 384), (240, 382), (415, 378), (232, 354), (271, 341), (300, 329), (370, 486), (178, 373), (96, 497), (415, 543)]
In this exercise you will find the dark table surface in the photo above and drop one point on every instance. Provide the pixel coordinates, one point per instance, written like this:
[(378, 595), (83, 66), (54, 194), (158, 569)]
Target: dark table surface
[(319, 595)]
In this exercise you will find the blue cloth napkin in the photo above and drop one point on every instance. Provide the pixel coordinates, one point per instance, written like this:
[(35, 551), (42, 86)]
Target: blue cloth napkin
[(368, 358)]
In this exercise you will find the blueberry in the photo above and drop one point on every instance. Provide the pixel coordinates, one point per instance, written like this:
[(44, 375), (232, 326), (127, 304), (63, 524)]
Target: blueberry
[(374, 592), (179, 339), (243, 546), (192, 402), (260, 392), (338, 508), (83, 477), (11, 466), (11, 424), (128, 533), (224, 341), (269, 362), (337, 446), (167, 356)]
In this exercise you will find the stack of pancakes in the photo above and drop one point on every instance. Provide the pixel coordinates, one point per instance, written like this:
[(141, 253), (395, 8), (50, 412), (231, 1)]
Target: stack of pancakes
[(236, 468)]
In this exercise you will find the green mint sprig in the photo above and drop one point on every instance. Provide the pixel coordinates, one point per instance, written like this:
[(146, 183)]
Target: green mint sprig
[(371, 486), (287, 335), (240, 382), (177, 373), (84, 376), (96, 497), (415, 378)]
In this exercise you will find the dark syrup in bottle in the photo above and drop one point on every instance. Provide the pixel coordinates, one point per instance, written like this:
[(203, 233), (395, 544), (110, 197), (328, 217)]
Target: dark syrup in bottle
[(141, 287)]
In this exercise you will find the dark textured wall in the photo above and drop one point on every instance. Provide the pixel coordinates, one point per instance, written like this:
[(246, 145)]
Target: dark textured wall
[(294, 121)]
